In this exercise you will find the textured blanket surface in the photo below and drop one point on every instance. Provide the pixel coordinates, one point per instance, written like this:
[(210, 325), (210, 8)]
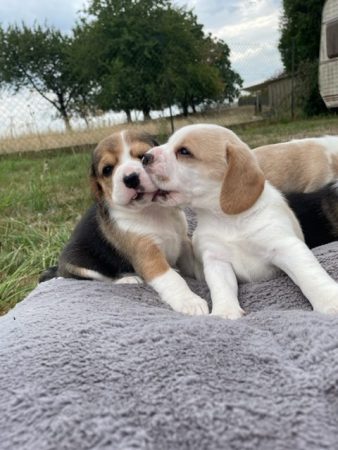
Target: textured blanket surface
[(89, 365)]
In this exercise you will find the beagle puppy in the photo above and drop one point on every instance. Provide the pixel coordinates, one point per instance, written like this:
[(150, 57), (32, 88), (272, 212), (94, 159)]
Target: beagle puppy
[(127, 230), (317, 213), (245, 228), (302, 165)]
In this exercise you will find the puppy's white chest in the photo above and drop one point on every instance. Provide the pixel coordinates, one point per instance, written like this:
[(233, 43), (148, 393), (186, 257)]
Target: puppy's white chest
[(248, 262), (164, 227), (247, 257)]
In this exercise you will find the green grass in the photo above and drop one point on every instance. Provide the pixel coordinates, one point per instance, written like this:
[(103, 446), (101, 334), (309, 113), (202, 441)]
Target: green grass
[(42, 196), (267, 132)]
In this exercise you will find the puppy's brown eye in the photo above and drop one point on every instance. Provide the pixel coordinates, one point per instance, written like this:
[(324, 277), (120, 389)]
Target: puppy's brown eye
[(183, 151), (107, 171)]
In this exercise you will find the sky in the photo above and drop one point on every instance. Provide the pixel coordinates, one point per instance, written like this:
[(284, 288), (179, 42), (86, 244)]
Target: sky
[(249, 27)]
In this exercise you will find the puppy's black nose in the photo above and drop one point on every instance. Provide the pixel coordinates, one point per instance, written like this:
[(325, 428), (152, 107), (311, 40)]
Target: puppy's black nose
[(132, 181), (147, 159)]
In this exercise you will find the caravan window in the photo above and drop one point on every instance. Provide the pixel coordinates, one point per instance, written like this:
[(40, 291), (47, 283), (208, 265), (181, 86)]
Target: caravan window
[(332, 39)]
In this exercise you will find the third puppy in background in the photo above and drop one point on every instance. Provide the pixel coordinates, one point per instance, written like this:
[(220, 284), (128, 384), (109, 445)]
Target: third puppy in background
[(302, 165)]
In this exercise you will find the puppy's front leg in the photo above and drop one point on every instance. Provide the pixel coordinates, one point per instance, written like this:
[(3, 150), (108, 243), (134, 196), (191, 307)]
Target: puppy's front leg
[(188, 264), (223, 286), (305, 271), (151, 264)]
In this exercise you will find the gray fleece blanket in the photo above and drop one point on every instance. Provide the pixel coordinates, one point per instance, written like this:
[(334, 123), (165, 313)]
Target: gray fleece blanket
[(88, 365)]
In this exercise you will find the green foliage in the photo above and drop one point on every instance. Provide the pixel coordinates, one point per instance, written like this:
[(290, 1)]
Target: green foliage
[(40, 58), (310, 99), (219, 57), (299, 47), (300, 31), (147, 54)]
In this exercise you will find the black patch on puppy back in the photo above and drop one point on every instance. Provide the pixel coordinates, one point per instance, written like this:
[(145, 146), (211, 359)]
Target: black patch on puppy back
[(88, 248), (317, 213)]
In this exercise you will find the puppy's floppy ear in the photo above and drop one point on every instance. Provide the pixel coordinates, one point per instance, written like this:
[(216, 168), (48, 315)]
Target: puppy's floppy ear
[(150, 139), (243, 181), (154, 141), (94, 184)]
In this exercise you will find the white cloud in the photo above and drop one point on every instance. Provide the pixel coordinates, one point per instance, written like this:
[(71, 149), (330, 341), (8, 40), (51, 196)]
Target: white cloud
[(250, 28)]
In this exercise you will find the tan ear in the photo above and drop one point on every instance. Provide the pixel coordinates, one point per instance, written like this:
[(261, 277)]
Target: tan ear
[(243, 181)]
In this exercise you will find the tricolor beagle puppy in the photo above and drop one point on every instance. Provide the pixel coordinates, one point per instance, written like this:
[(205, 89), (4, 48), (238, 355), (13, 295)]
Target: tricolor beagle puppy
[(317, 213), (127, 230), (302, 165), (245, 231)]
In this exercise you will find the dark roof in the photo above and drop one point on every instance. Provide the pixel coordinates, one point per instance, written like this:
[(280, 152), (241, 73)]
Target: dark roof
[(264, 84)]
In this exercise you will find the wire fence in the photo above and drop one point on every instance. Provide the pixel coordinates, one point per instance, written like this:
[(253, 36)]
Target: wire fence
[(28, 122)]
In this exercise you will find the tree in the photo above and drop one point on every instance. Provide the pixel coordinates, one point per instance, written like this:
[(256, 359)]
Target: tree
[(148, 54), (219, 57), (118, 45), (187, 78), (41, 59), (299, 46)]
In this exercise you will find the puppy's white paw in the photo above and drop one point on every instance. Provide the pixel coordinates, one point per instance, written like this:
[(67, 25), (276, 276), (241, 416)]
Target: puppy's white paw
[(228, 313), (331, 307), (192, 305), (132, 279)]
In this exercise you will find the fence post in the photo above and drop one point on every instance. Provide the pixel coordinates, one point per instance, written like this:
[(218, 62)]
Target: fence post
[(171, 119), (293, 80)]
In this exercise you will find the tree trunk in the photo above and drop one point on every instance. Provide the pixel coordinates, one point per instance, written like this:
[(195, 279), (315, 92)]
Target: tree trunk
[(66, 120), (64, 113), (128, 114), (185, 109), (85, 118), (146, 113), (193, 106)]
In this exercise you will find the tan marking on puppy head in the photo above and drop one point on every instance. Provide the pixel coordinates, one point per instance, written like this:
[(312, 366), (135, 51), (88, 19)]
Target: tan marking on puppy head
[(207, 147), (243, 180), (108, 154), (139, 143), (295, 166), (221, 155)]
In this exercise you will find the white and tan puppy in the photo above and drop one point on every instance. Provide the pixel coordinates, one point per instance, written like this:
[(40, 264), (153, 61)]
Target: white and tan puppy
[(245, 228), (302, 165)]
